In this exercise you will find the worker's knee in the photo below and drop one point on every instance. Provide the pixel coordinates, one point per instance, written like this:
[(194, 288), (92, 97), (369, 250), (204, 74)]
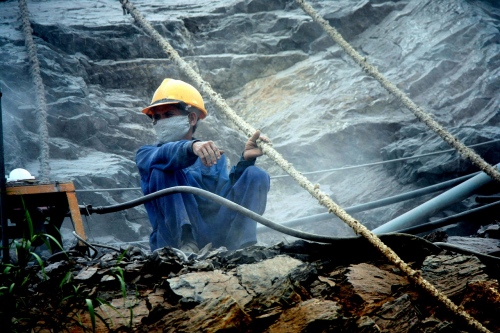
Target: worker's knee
[(255, 176)]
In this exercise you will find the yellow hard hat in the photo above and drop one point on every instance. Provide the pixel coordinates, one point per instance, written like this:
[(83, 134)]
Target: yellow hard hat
[(173, 91)]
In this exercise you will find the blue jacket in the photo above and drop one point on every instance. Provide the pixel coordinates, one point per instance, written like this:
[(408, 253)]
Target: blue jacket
[(174, 164)]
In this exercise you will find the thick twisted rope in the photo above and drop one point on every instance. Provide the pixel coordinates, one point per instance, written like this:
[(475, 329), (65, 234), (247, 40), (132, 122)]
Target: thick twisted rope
[(41, 112), (313, 189), (401, 96)]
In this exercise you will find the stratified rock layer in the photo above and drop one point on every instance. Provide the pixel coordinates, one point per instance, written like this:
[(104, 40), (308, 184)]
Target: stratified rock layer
[(298, 287)]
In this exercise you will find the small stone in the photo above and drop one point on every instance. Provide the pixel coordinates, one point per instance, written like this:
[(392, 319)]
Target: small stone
[(310, 316), (86, 273)]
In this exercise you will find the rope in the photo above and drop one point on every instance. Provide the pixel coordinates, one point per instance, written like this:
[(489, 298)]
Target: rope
[(39, 92), (313, 189), (426, 118), (391, 88)]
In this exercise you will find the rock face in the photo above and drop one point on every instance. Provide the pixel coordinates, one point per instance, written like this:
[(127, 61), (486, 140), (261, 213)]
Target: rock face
[(279, 71)]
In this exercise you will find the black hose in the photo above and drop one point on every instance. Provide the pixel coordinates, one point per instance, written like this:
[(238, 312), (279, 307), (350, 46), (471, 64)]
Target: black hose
[(458, 249), (107, 247), (218, 199), (93, 245), (448, 220), (487, 199)]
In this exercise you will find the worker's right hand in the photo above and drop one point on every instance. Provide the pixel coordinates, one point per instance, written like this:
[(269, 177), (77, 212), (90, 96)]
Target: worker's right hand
[(207, 151)]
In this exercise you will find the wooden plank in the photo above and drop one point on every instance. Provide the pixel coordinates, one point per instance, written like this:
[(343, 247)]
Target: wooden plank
[(67, 188), (75, 215), (37, 189)]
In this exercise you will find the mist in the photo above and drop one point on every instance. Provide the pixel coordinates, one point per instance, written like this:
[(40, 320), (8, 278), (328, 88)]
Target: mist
[(280, 72)]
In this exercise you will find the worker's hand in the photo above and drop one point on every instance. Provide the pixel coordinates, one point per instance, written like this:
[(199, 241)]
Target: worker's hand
[(252, 151), (207, 151)]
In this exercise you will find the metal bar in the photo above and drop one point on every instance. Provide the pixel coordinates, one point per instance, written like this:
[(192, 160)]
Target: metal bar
[(39, 189), (3, 217), (421, 213)]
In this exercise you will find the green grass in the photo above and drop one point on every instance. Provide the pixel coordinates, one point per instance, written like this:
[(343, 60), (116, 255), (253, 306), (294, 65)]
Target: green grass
[(65, 298)]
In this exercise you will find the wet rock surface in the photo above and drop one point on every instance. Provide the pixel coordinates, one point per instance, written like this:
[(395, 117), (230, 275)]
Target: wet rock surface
[(296, 287), (277, 70)]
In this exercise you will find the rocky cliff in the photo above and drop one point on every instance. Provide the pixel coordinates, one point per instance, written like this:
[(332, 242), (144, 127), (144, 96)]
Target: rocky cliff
[(279, 71)]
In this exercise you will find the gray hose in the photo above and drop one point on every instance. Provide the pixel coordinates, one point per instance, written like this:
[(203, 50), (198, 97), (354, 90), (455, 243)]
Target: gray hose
[(86, 243), (218, 199), (254, 216)]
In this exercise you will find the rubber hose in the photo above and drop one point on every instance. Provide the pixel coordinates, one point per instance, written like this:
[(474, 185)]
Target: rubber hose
[(254, 216), (222, 201), (458, 249)]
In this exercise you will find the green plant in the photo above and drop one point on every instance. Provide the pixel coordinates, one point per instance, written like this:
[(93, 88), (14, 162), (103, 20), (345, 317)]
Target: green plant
[(102, 304), (18, 280), (90, 307), (73, 302), (14, 277), (118, 272), (96, 307)]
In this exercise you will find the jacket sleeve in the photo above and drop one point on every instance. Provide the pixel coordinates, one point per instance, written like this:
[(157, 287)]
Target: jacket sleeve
[(169, 156), (237, 170)]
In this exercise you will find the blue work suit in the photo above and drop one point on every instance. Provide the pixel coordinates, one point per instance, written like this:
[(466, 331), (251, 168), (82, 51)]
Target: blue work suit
[(174, 164)]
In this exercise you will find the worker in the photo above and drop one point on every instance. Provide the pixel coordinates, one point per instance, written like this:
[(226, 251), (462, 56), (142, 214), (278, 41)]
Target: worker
[(183, 220)]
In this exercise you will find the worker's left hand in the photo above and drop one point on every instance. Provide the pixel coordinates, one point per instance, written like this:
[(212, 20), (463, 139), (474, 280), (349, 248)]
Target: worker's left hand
[(252, 151)]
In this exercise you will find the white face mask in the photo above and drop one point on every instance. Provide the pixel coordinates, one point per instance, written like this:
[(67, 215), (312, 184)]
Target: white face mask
[(172, 129)]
